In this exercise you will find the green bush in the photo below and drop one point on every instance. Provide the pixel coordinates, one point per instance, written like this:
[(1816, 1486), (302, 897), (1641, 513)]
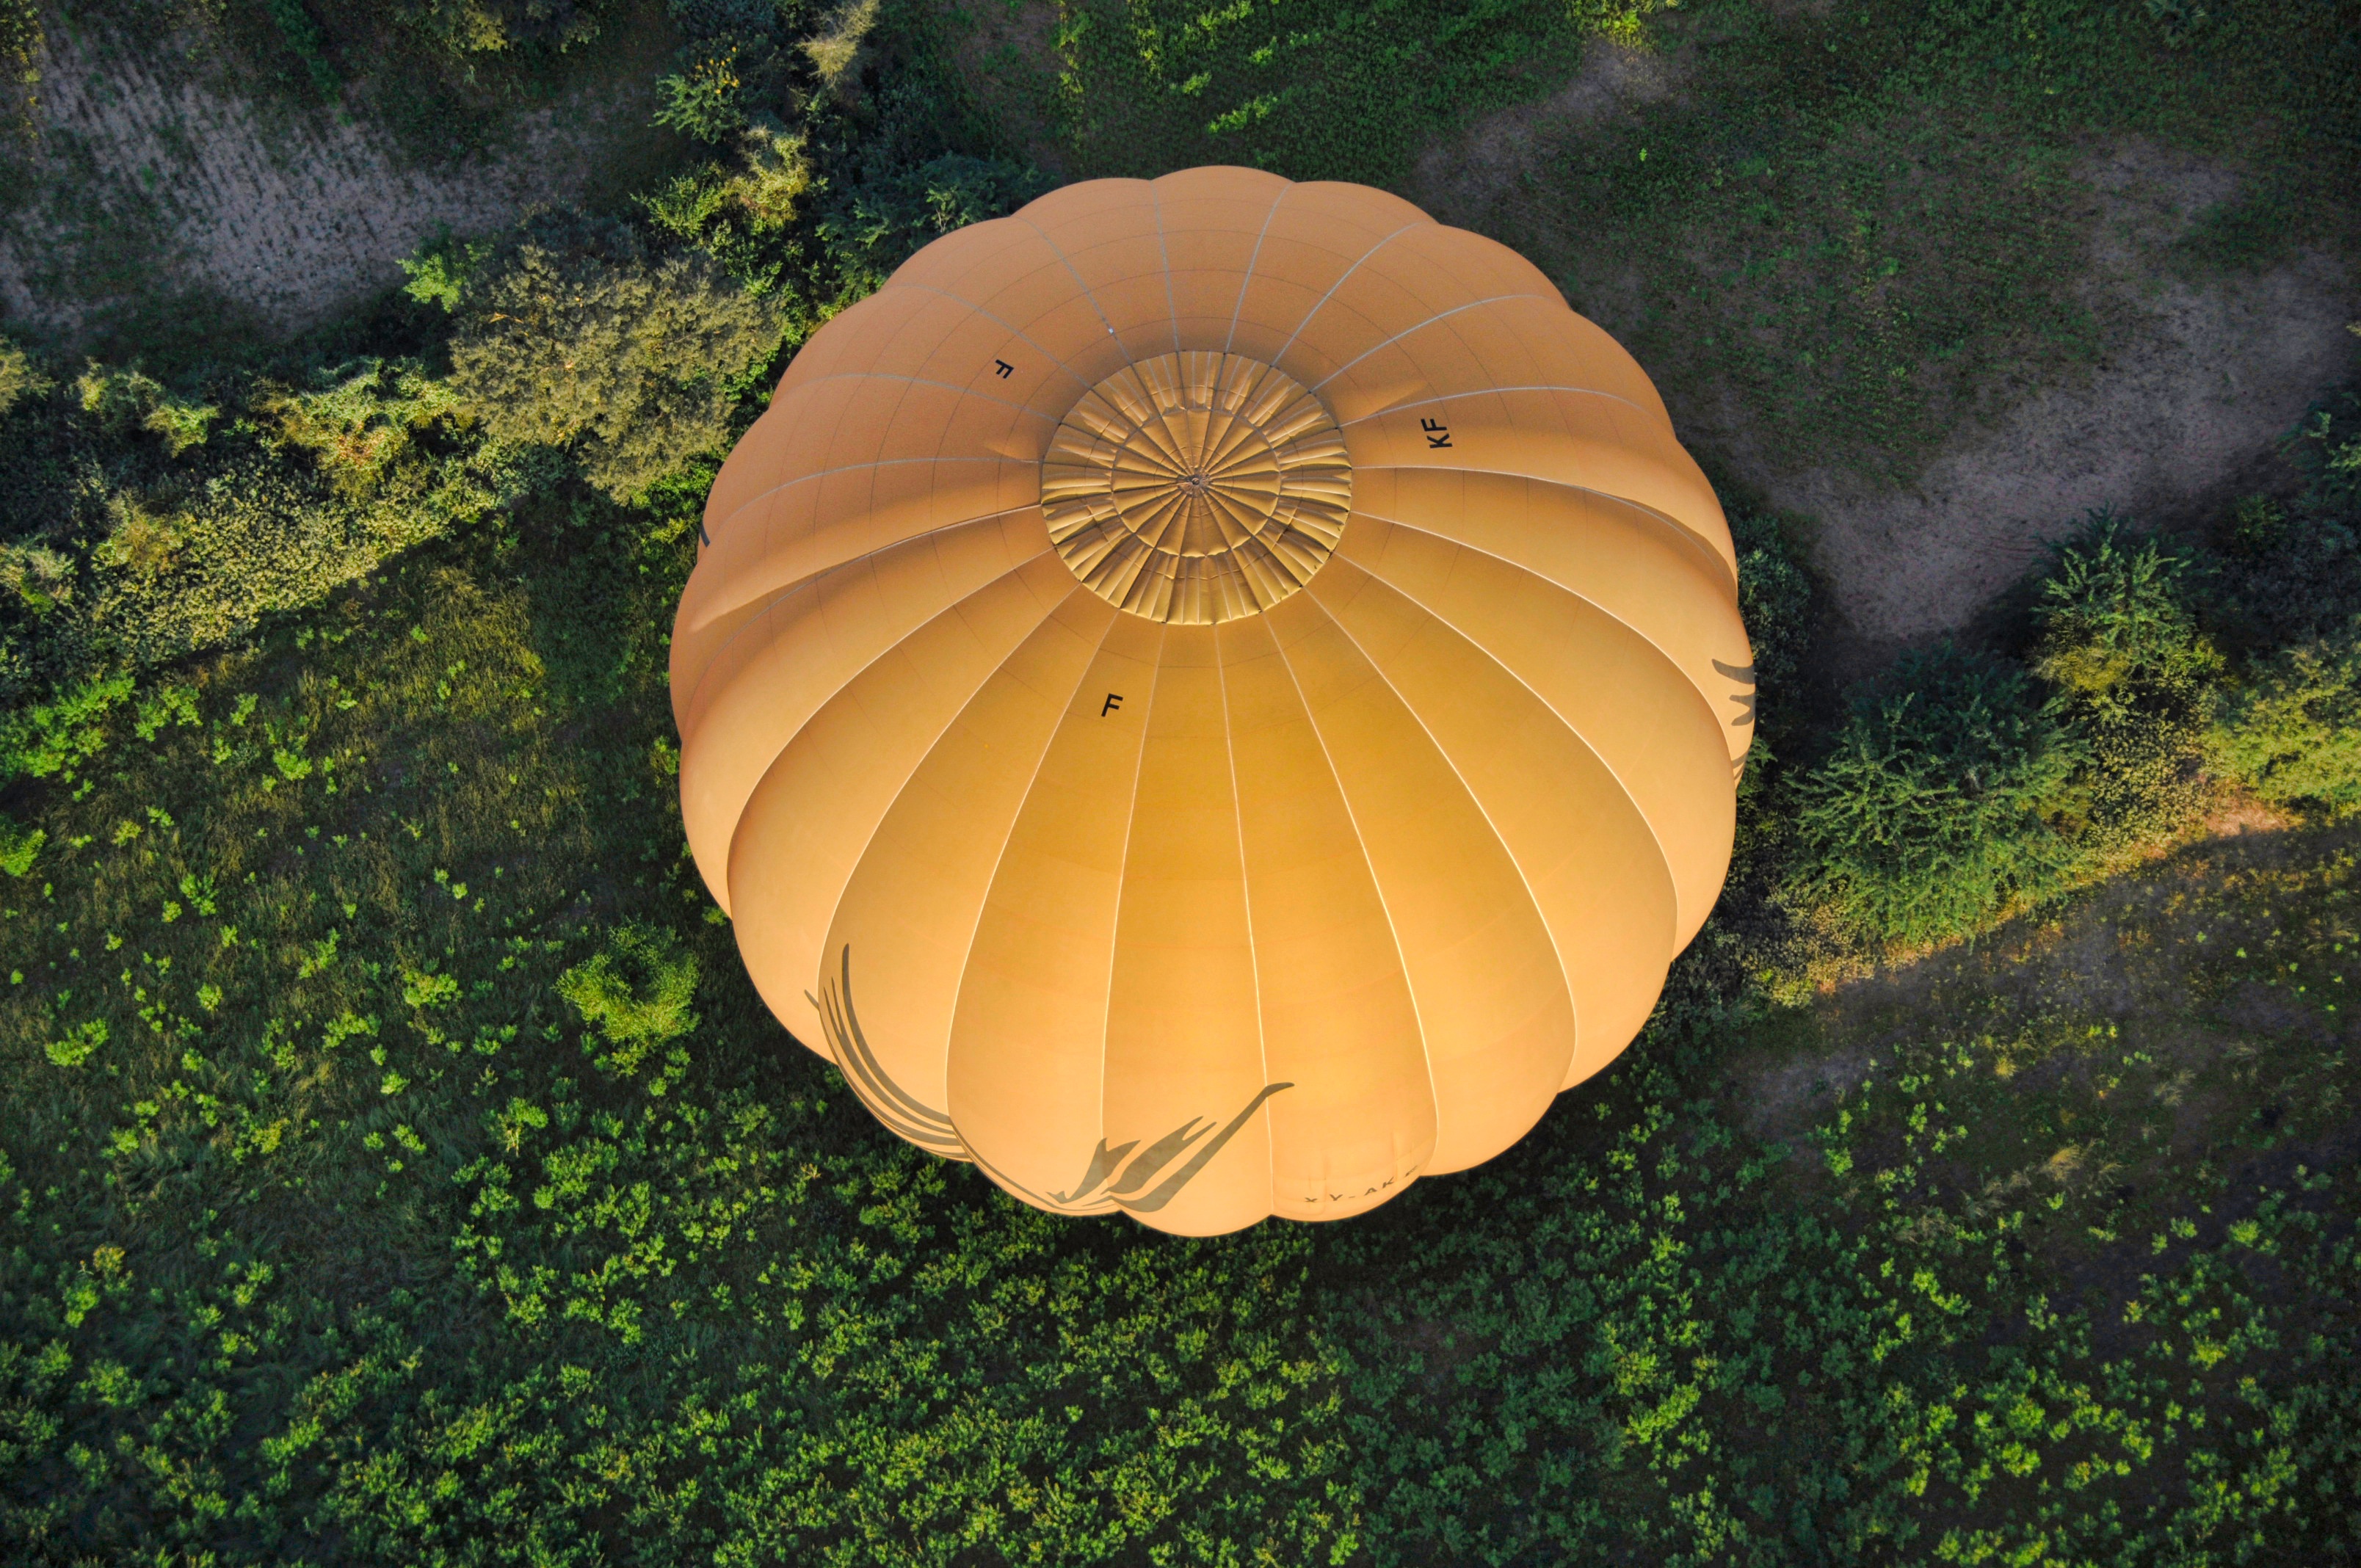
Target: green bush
[(302, 35), (19, 845), (636, 994), (50, 738), (2119, 641), (360, 419), (128, 399), (19, 377), (466, 28), (2290, 571), (79, 1043), (2326, 448), (581, 339), (441, 270), (706, 99), (884, 219), (2291, 731), (2116, 629), (1933, 814), (132, 551), (254, 539)]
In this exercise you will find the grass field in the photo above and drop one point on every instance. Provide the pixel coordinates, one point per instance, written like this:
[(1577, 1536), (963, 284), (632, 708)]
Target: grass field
[(397, 1167), (334, 1233)]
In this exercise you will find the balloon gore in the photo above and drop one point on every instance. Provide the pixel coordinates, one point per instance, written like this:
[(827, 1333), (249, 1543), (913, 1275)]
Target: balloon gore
[(1212, 697)]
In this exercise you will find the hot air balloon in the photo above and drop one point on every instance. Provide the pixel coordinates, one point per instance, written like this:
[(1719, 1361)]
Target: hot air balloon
[(1212, 697)]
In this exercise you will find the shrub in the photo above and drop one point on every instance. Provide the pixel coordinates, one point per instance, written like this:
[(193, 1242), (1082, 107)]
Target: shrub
[(713, 18), (19, 377), (19, 846), (79, 1043), (128, 398), (40, 576), (582, 340), (2121, 643), (440, 272), (489, 27), (636, 994), (774, 177), (302, 35), (884, 219), (707, 100), (2290, 571), (2326, 448), (50, 738), (2291, 732), (1933, 814), (836, 50), (254, 539), (359, 418), (2115, 630)]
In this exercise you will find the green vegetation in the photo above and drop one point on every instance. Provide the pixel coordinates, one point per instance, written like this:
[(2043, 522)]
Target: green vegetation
[(2017, 1274), (2293, 731), (580, 341), (398, 1166), (1932, 814)]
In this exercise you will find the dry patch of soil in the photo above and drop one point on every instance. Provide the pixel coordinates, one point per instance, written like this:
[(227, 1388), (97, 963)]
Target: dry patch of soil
[(1460, 178), (290, 216), (2178, 418)]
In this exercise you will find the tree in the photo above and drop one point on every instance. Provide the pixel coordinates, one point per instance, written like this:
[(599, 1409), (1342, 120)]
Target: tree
[(580, 339)]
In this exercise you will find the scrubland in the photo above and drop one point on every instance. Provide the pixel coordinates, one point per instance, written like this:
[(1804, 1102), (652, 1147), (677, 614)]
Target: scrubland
[(395, 1164)]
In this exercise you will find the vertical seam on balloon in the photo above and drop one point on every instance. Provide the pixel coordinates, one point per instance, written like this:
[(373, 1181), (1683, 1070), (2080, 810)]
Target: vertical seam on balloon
[(998, 320), (1486, 392), (1564, 980), (770, 491), (1572, 729), (763, 619), (948, 387), (950, 608), (1253, 260), (1164, 254), (948, 725), (811, 580), (1418, 327), (1510, 562), (1123, 870), (1245, 894), (1377, 884), (1342, 278), (1001, 859), (1681, 529), (1077, 273)]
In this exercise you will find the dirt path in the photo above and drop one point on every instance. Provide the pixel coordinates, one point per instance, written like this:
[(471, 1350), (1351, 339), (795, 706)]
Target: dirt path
[(154, 176), (2178, 419)]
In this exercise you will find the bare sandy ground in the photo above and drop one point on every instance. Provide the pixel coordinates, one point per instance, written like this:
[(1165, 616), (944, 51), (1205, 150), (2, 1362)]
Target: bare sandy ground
[(293, 215), (2180, 418)]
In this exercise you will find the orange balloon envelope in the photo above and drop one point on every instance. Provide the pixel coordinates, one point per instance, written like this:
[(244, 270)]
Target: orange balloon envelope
[(1212, 697)]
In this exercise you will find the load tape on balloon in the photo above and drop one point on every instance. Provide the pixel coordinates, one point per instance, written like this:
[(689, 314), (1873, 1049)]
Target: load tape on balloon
[(1212, 697)]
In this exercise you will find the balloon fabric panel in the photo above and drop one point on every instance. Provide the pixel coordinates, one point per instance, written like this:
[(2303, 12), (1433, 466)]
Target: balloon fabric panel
[(1212, 697)]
